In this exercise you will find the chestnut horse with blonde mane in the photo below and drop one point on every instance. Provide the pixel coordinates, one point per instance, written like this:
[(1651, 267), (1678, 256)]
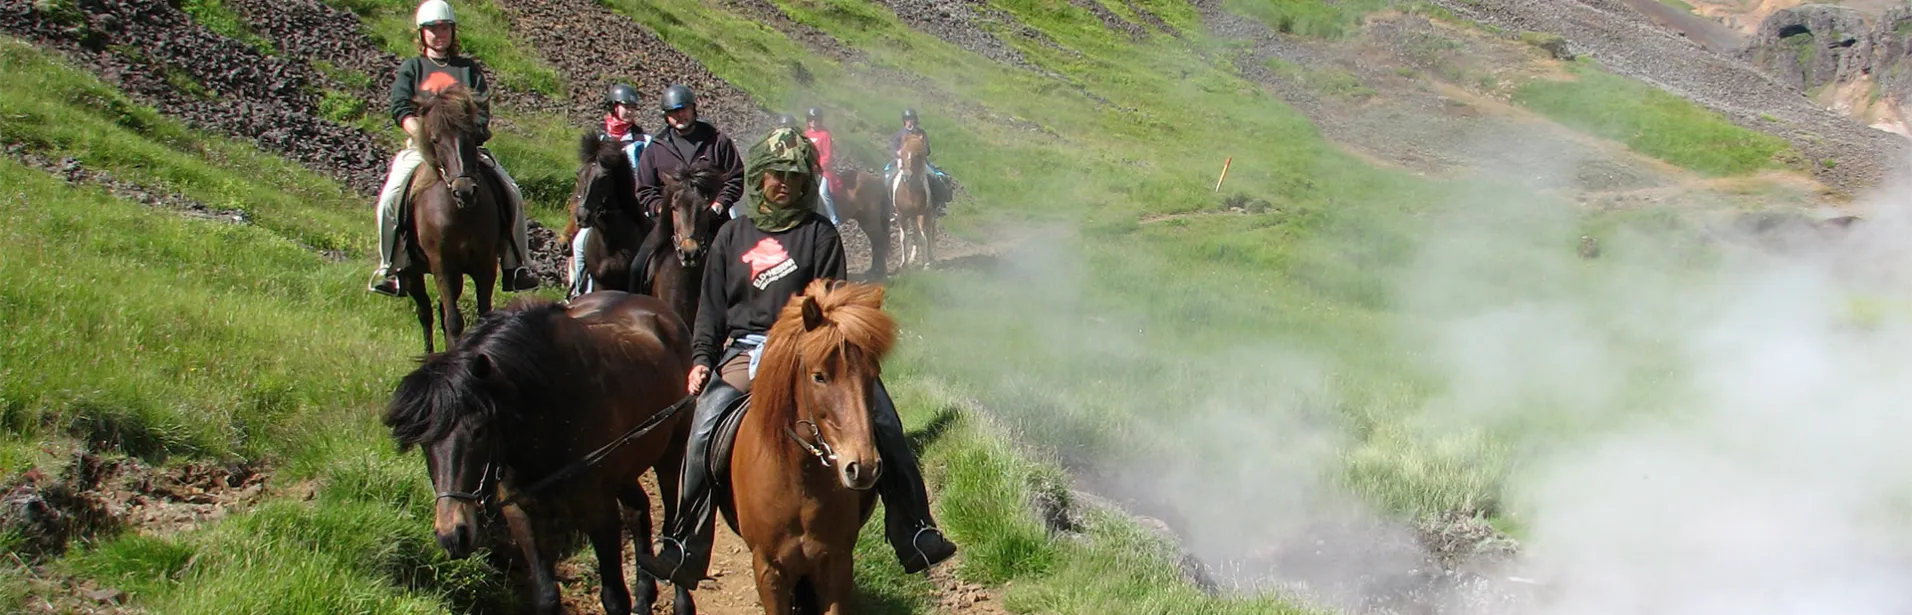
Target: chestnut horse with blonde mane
[(810, 403), (910, 193)]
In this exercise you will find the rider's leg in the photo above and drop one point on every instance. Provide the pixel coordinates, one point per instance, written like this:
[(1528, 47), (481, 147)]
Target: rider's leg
[(683, 552), (397, 180), (829, 204), (513, 259), (907, 521), (580, 281), (937, 175)]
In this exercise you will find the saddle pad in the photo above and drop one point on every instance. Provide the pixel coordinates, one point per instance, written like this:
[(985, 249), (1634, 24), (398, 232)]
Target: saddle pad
[(724, 440)]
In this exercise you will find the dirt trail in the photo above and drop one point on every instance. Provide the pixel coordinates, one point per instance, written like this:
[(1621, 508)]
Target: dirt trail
[(1714, 36), (732, 590)]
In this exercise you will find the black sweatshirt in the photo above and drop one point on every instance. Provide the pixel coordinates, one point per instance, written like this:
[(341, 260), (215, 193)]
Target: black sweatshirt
[(752, 274), (669, 150), (415, 71)]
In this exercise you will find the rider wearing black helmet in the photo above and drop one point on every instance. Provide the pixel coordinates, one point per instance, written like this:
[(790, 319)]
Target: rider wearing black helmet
[(910, 127), (685, 140), (622, 109)]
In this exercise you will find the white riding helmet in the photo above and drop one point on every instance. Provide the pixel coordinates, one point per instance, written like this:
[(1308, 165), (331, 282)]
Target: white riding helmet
[(434, 11)]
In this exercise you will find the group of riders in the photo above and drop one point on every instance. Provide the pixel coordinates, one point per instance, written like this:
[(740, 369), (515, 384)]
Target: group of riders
[(781, 234)]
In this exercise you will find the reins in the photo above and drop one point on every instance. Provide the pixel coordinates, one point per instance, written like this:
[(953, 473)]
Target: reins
[(590, 459)]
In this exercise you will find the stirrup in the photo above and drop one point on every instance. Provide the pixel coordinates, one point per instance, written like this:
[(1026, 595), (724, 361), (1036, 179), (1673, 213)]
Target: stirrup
[(386, 285), (657, 566), (910, 563)]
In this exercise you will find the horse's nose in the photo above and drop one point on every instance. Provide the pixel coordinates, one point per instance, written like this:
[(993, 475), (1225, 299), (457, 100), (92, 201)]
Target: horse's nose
[(858, 475), (459, 542)]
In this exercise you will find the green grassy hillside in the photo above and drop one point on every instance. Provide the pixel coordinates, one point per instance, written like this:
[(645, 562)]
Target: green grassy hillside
[(1135, 297)]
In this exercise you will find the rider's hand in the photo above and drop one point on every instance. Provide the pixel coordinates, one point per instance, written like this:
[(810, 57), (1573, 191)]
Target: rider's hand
[(717, 206), (698, 374)]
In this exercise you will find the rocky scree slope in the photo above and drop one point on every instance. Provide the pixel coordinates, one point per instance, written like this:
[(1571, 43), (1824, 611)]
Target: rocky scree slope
[(1841, 153), (1841, 58)]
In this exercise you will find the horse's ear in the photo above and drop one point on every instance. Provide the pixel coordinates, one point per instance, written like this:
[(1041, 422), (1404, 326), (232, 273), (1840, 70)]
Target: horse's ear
[(480, 366), (812, 314)]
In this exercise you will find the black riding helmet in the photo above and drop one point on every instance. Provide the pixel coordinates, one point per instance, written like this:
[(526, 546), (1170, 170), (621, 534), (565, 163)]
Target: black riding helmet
[(909, 114), (621, 94), (787, 121), (815, 113), (676, 97)]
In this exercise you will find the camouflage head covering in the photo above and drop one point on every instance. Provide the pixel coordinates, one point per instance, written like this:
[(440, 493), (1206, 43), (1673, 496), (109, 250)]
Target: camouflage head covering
[(784, 149)]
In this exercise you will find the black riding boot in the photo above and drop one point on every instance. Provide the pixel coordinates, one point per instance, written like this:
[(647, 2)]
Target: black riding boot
[(907, 521), (640, 264), (683, 553)]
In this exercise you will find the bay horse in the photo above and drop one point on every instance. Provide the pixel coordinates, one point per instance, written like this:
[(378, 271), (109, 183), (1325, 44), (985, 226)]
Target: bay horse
[(810, 402), (541, 392), (456, 212), (911, 196), (689, 226), (860, 197), (605, 198)]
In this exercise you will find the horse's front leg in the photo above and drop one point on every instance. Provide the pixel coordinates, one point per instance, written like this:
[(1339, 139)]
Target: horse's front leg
[(835, 580), (775, 590), (415, 286), (486, 281), (606, 541), (637, 518), (451, 284), (544, 581)]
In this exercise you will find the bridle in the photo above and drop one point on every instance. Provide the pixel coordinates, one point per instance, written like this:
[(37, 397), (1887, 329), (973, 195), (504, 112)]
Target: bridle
[(493, 473)]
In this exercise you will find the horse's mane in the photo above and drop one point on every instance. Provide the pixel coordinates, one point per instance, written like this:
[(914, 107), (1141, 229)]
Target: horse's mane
[(914, 142), (701, 175), (504, 356), (852, 318), (453, 110)]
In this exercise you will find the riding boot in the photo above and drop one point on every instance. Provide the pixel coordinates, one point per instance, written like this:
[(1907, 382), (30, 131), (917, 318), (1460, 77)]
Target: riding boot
[(683, 552), (907, 522), (640, 264), (517, 254), (397, 180)]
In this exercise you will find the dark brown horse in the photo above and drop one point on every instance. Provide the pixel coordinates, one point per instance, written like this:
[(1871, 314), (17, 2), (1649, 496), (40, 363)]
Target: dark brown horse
[(911, 197), (454, 213), (861, 196), (688, 226), (605, 199), (810, 402), (531, 394)]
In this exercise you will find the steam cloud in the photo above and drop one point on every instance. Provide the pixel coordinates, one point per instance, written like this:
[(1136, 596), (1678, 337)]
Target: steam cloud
[(1680, 431)]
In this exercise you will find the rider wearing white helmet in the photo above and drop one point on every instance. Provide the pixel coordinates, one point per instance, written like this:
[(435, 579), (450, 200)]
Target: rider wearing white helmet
[(439, 64)]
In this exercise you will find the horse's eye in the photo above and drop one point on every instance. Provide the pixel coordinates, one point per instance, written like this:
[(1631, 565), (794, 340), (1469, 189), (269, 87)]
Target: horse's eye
[(817, 376)]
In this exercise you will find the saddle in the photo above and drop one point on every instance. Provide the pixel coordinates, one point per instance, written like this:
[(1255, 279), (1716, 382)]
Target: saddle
[(725, 439)]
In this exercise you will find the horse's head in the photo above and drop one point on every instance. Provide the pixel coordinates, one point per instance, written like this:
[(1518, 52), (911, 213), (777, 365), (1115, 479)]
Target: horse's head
[(689, 193), (599, 164), (828, 345), (915, 152), (458, 404), (448, 127)]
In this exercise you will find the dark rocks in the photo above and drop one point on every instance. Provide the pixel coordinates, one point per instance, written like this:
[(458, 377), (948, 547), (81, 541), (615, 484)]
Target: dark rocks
[(1816, 46), (160, 57)]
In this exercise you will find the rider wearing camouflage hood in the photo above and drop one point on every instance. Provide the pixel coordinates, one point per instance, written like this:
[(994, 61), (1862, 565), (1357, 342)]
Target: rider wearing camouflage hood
[(756, 265)]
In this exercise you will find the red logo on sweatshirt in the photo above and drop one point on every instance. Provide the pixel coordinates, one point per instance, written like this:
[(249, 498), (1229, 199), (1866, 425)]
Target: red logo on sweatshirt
[(437, 82), (768, 262)]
